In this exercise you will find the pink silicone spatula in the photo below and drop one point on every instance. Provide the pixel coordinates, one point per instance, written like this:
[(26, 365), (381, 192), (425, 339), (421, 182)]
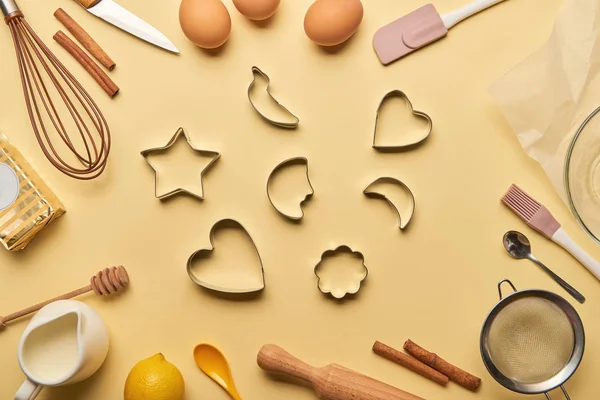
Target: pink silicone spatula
[(420, 28)]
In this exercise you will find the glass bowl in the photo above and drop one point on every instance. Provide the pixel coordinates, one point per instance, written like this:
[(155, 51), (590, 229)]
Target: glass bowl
[(582, 175)]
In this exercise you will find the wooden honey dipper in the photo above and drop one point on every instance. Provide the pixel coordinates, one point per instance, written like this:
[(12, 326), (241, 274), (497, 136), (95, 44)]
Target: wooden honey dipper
[(108, 281)]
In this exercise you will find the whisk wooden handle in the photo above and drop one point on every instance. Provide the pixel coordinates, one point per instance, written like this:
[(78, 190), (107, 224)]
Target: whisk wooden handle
[(88, 3), (107, 281)]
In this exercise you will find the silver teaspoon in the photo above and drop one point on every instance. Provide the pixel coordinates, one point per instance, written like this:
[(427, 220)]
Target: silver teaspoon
[(518, 246)]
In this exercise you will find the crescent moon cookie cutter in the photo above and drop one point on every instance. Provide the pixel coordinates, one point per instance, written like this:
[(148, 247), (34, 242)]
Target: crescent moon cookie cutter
[(402, 221), (337, 288), (295, 121), (207, 153), (418, 114), (206, 253), (275, 171)]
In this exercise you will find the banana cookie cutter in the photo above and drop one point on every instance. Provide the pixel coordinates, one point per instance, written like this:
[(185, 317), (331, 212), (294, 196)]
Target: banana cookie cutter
[(352, 280), (418, 114), (276, 171), (282, 124), (215, 156), (402, 221), (204, 254)]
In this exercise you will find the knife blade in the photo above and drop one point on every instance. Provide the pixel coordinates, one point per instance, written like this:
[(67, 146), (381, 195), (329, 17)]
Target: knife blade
[(118, 16)]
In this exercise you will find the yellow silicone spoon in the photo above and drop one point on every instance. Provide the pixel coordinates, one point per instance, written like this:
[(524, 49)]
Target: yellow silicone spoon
[(213, 363)]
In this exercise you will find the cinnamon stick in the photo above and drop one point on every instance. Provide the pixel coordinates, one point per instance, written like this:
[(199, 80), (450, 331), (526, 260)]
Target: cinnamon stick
[(456, 374), (85, 39), (409, 362), (86, 62)]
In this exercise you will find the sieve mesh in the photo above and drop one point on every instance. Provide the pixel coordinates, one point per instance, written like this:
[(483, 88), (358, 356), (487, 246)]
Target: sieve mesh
[(531, 340)]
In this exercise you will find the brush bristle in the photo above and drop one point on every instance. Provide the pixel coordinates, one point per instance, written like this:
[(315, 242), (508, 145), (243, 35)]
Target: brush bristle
[(533, 213), (521, 203)]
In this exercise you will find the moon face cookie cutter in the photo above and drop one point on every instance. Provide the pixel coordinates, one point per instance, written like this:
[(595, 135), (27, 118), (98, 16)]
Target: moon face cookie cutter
[(418, 114), (204, 254), (215, 156), (340, 289), (275, 171), (402, 221), (282, 124)]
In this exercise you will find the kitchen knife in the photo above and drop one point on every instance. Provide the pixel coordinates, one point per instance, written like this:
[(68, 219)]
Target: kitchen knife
[(114, 14)]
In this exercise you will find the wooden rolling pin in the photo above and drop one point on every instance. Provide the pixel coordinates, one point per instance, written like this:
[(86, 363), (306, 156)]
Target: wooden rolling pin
[(332, 382)]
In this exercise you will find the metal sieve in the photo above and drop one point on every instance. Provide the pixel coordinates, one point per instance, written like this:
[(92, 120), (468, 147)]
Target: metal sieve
[(532, 341)]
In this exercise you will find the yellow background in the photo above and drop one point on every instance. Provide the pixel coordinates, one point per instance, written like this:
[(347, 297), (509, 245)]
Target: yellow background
[(433, 283)]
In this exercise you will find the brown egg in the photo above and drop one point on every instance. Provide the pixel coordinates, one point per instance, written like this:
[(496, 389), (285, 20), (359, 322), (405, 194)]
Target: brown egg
[(331, 22), (256, 9), (205, 22)]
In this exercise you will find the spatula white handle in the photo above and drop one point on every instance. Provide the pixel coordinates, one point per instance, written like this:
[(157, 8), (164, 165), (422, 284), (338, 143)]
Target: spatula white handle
[(562, 239), (452, 18)]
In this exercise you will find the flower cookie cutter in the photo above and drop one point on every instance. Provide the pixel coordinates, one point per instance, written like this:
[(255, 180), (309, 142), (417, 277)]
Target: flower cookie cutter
[(215, 156), (282, 124), (339, 289), (275, 171), (206, 253), (419, 114), (369, 192)]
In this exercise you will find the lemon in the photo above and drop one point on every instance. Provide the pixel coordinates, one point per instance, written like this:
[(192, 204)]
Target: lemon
[(154, 379)]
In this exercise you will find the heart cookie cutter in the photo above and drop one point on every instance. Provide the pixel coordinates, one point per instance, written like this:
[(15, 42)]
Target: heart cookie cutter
[(275, 171), (336, 289), (282, 124), (402, 222), (215, 156), (206, 253), (419, 114)]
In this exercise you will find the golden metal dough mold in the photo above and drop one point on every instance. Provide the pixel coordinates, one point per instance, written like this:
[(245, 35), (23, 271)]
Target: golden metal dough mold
[(340, 289), (275, 171), (402, 222), (206, 253), (288, 125), (215, 156), (419, 114)]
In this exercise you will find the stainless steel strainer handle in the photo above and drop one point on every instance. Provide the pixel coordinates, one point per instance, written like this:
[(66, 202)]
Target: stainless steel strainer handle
[(564, 392), (500, 287)]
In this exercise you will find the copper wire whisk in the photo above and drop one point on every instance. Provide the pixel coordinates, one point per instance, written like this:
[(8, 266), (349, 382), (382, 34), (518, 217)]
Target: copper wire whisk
[(44, 78)]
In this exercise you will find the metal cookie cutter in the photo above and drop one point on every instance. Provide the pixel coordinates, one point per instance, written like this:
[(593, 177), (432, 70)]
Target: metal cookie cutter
[(206, 253), (215, 156), (402, 222), (278, 168), (288, 125), (418, 114), (339, 289)]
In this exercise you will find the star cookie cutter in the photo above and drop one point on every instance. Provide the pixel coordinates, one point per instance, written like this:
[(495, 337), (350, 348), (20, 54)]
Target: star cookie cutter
[(340, 289), (215, 156), (402, 222), (419, 114), (275, 171), (282, 124), (206, 253)]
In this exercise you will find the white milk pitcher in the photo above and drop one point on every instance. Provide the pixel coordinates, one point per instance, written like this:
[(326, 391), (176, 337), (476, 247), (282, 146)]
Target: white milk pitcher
[(65, 342)]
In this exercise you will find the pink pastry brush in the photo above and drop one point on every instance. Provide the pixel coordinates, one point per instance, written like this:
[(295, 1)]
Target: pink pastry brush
[(539, 218), (420, 28)]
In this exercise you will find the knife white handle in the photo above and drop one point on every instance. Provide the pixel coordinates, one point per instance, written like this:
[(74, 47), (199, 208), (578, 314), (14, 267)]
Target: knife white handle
[(88, 3), (562, 239), (452, 18)]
